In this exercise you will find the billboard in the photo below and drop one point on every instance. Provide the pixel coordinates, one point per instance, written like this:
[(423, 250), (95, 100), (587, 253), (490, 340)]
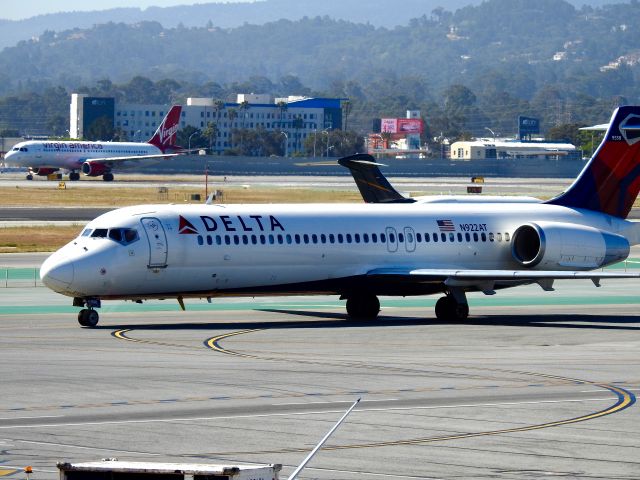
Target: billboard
[(528, 126), (402, 126)]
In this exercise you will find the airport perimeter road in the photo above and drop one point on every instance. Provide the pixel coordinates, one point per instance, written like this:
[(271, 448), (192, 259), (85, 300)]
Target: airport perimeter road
[(533, 385)]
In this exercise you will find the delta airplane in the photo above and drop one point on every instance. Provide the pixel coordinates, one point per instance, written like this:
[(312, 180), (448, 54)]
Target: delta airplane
[(95, 158), (361, 251)]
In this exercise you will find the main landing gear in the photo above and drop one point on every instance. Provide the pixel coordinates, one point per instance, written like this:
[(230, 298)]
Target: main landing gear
[(363, 306), (452, 307), (87, 317), (74, 176)]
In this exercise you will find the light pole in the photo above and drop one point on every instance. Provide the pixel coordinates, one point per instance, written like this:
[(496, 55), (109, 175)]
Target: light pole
[(286, 144), (190, 140), (326, 132), (492, 133)]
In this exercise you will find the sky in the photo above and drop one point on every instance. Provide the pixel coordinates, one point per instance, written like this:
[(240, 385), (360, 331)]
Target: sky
[(17, 10)]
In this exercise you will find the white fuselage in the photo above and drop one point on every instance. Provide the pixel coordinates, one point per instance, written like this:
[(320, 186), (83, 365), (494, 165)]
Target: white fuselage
[(208, 250), (70, 155)]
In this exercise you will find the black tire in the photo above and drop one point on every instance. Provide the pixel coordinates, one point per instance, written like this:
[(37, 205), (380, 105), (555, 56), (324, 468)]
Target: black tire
[(364, 307), (443, 308), (29, 177), (107, 177), (88, 318), (448, 309), (74, 176)]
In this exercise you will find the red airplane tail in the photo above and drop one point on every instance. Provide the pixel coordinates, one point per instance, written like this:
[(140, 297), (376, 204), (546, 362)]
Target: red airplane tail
[(165, 136)]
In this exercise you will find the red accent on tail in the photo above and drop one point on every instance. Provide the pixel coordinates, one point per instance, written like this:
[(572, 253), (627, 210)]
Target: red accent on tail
[(165, 136)]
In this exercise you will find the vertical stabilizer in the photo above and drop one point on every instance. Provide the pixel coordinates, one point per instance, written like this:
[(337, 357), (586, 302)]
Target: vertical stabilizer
[(165, 136), (610, 181)]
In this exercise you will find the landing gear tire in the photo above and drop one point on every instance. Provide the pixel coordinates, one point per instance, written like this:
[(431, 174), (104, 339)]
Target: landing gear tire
[(448, 309), (88, 317), (363, 307), (29, 177), (74, 176), (107, 177)]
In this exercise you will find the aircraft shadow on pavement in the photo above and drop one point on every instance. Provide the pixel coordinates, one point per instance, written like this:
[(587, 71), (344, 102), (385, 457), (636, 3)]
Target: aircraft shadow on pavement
[(341, 320)]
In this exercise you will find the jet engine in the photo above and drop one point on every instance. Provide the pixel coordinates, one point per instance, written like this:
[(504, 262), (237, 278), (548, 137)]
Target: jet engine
[(551, 245), (44, 171), (91, 169)]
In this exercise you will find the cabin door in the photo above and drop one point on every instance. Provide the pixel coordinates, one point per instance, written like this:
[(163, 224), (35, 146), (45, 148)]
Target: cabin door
[(157, 242)]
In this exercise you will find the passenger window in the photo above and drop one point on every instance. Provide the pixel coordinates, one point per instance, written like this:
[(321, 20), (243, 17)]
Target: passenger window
[(254, 240), (374, 237), (305, 237), (475, 237), (443, 237), (236, 239), (401, 237), (435, 237), (491, 237), (297, 238), (245, 239), (459, 237), (323, 238), (272, 240), (227, 240), (506, 237), (499, 236), (467, 237), (200, 240), (383, 238), (365, 237), (418, 237), (280, 239), (392, 238), (356, 237), (289, 240), (332, 238), (348, 238), (314, 238), (263, 240), (340, 239), (209, 240), (483, 236), (452, 237), (218, 240), (426, 237)]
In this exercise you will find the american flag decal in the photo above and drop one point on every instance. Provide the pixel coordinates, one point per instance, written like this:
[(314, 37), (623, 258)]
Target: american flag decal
[(446, 226)]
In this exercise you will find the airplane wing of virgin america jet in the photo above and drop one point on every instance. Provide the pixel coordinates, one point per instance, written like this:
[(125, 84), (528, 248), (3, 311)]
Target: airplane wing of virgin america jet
[(362, 251)]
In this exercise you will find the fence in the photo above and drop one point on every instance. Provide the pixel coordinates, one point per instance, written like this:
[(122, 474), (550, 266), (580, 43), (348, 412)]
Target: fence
[(20, 277)]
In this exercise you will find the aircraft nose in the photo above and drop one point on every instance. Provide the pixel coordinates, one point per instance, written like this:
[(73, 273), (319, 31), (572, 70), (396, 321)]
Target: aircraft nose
[(57, 275)]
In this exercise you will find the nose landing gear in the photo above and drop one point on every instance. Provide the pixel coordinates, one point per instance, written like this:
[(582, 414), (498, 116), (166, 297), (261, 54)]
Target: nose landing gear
[(87, 317)]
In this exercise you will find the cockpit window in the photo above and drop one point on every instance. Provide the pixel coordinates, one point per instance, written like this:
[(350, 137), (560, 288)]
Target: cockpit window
[(86, 232), (115, 234), (124, 236), (24, 149)]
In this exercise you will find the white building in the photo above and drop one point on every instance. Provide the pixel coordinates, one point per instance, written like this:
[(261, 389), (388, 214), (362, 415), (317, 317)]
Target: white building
[(296, 117), (487, 148)]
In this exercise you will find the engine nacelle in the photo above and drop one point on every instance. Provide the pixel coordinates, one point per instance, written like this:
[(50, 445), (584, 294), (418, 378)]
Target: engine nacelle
[(562, 246), (91, 169), (44, 171)]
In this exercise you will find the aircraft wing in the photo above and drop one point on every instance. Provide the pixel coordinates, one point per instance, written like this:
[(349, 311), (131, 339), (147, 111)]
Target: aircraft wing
[(487, 280), (132, 158)]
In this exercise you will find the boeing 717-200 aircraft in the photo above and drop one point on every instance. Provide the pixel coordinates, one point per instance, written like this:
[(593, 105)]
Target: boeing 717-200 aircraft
[(361, 251), (95, 158)]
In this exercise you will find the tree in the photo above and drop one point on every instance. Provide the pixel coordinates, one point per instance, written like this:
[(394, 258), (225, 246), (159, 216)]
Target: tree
[(100, 129)]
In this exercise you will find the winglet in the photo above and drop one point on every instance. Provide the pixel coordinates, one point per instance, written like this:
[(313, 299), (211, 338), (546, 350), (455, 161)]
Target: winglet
[(373, 185)]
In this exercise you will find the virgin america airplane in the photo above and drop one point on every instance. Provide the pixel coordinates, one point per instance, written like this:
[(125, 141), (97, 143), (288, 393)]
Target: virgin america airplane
[(95, 158), (361, 251)]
